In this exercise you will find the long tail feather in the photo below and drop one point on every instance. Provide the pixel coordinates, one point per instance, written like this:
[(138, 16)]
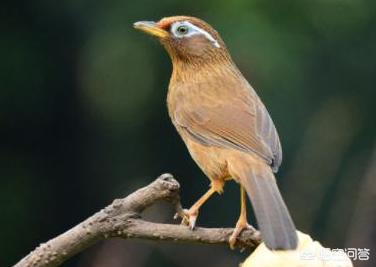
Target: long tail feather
[(274, 220)]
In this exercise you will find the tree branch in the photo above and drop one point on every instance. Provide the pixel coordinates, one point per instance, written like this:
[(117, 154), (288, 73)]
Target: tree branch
[(123, 219)]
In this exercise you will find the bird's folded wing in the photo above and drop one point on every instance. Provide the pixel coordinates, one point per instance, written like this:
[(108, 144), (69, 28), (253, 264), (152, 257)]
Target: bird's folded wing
[(248, 129)]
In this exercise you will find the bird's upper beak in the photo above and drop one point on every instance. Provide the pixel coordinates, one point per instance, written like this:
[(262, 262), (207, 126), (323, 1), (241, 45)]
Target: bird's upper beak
[(150, 27)]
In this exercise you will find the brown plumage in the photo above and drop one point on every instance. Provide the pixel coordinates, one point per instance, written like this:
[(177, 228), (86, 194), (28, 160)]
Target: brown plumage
[(224, 124)]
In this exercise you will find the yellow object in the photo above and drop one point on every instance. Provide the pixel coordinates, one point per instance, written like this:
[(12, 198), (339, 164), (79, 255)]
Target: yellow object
[(309, 253)]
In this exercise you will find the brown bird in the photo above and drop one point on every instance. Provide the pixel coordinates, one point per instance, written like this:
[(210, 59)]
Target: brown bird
[(224, 124)]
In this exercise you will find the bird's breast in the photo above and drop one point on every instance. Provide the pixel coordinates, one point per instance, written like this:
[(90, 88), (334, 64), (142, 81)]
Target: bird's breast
[(209, 90)]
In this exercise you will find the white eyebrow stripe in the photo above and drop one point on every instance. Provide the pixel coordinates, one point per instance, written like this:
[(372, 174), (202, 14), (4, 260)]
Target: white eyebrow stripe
[(196, 31)]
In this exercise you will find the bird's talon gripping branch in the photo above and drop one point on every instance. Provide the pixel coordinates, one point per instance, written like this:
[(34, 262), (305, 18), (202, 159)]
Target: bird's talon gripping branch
[(189, 217), (237, 231)]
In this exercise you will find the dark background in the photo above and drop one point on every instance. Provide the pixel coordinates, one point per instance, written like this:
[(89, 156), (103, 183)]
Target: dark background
[(83, 119)]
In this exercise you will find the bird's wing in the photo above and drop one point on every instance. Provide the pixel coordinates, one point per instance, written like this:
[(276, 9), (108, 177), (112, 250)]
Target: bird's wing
[(247, 127)]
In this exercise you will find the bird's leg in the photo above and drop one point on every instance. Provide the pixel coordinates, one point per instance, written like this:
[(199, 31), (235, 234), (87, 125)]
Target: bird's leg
[(189, 216), (242, 222)]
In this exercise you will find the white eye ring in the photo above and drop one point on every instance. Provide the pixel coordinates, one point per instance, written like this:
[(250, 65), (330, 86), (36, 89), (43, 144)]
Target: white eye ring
[(182, 30)]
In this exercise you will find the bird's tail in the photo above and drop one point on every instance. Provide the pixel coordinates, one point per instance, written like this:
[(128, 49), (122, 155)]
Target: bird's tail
[(274, 220)]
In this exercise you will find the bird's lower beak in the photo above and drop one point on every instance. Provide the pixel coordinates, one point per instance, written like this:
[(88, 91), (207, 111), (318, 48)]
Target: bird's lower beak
[(150, 27)]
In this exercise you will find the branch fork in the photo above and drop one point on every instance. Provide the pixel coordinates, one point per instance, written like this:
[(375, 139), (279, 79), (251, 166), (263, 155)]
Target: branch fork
[(122, 218)]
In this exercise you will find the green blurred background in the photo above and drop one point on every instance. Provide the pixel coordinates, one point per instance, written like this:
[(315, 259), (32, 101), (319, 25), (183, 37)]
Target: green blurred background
[(83, 119)]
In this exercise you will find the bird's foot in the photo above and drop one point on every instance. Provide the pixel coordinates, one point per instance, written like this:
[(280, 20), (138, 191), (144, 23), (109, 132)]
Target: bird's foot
[(189, 217), (240, 226)]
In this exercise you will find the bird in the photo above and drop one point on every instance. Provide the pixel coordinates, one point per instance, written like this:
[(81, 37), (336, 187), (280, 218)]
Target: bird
[(224, 125)]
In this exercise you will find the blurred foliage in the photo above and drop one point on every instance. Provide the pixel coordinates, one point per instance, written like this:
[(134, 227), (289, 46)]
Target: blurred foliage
[(83, 117)]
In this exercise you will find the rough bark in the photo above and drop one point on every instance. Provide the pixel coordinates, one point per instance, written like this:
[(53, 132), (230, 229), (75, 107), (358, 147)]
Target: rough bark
[(123, 219)]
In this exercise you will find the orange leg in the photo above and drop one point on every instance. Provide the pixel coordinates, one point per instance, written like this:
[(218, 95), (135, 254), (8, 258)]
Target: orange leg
[(242, 222), (189, 217)]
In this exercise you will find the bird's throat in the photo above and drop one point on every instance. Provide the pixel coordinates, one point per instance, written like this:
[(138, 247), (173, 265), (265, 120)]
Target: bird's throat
[(196, 71)]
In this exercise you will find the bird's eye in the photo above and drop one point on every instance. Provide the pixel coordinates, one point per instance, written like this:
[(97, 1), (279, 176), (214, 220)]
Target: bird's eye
[(181, 30)]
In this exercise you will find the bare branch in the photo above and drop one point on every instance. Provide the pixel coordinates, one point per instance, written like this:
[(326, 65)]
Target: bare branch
[(123, 219)]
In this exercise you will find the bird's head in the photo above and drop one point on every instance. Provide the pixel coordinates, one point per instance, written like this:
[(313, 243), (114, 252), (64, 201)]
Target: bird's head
[(186, 39)]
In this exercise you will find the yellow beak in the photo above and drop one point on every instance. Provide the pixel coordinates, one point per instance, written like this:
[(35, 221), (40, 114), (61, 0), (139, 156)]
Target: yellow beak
[(151, 28)]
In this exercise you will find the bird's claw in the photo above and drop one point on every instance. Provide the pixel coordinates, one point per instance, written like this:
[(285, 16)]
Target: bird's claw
[(189, 217), (240, 226)]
